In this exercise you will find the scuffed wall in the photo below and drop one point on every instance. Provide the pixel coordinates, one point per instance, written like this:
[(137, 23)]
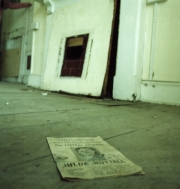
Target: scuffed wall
[(11, 62), (29, 25), (82, 17), (13, 28), (11, 55)]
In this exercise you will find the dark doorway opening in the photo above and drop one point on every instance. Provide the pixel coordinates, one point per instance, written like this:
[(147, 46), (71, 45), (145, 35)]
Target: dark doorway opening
[(107, 91), (0, 52)]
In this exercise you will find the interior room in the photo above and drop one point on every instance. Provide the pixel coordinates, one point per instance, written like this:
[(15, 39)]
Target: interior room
[(81, 69)]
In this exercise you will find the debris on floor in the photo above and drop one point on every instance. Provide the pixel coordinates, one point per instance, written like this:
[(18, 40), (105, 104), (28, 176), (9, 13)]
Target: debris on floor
[(44, 94), (89, 158)]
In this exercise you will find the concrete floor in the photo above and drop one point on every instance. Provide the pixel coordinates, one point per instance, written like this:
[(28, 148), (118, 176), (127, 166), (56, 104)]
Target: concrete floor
[(147, 134)]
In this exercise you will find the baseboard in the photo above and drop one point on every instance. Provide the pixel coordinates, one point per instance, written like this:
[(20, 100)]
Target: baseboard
[(10, 79), (34, 81), (160, 92)]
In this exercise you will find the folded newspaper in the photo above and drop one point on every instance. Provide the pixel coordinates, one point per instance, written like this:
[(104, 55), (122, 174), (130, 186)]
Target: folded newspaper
[(89, 158)]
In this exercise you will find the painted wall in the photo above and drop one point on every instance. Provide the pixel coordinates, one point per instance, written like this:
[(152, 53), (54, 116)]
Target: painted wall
[(127, 80), (167, 42), (63, 3), (29, 25), (161, 66), (70, 19), (11, 56), (38, 27), (14, 25), (148, 61), (13, 19), (39, 22)]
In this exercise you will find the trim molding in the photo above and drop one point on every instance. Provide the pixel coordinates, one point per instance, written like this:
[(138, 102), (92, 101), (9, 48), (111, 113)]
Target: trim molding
[(160, 92), (50, 7)]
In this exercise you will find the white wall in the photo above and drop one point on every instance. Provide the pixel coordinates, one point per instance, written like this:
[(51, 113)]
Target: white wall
[(167, 42), (39, 29), (80, 17), (161, 67), (148, 61), (63, 3), (127, 80)]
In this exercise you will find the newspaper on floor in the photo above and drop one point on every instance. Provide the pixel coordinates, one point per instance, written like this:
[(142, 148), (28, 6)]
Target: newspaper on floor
[(89, 158)]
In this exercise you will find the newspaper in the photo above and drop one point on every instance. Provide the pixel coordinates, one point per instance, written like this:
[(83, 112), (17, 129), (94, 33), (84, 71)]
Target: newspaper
[(89, 158)]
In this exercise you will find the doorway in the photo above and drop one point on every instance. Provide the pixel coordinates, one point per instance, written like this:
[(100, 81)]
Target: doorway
[(111, 65), (11, 56)]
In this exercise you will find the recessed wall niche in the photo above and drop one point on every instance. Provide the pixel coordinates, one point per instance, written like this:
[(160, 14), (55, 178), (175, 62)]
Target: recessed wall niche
[(75, 50)]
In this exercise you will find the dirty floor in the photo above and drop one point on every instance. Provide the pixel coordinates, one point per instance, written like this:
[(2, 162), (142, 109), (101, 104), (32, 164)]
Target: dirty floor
[(147, 134)]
